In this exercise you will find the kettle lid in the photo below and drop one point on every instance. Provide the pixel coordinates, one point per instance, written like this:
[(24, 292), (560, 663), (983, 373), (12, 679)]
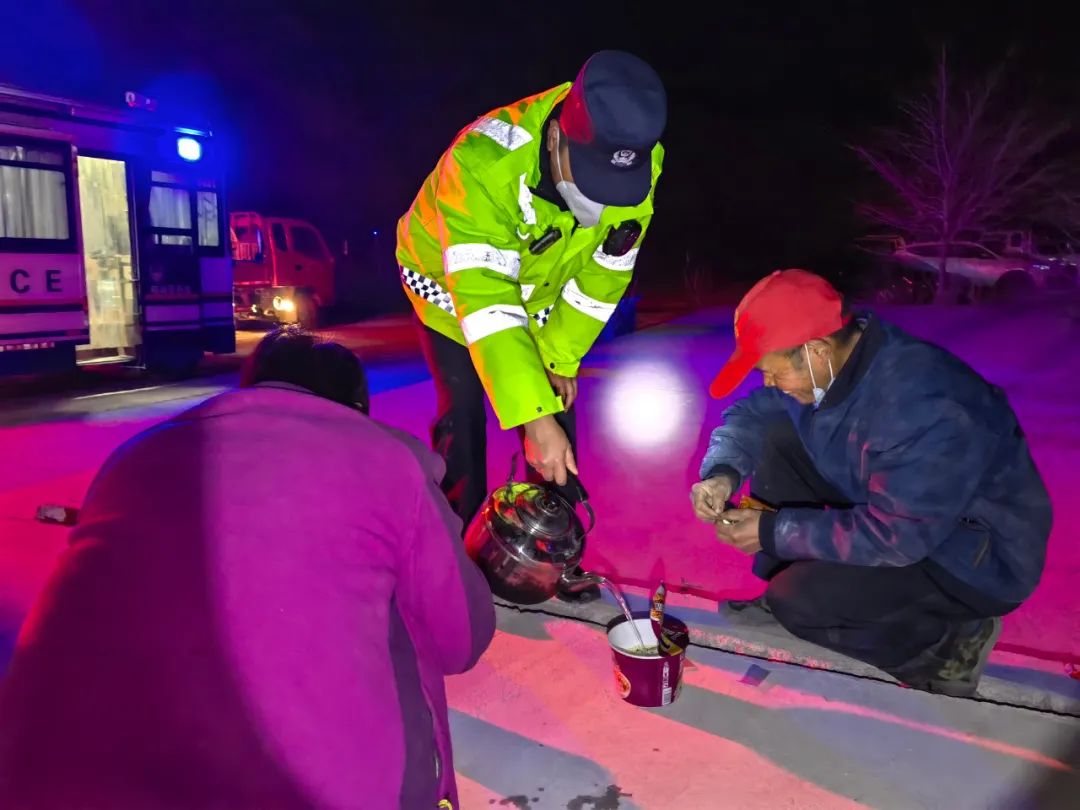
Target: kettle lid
[(549, 521)]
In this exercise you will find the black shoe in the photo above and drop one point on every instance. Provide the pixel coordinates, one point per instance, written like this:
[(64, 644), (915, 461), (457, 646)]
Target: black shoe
[(740, 605), (954, 665), (965, 657)]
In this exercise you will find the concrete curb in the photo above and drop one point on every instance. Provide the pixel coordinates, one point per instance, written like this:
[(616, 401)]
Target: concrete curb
[(1010, 680)]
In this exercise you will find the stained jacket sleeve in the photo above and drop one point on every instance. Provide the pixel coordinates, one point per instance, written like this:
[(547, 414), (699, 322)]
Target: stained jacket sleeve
[(481, 261), (920, 481), (735, 447)]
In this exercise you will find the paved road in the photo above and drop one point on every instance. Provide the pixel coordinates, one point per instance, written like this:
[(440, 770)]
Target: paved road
[(537, 723), (387, 346)]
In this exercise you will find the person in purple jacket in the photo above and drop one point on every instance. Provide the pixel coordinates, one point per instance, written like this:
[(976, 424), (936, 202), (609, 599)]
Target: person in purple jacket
[(257, 610), (907, 515)]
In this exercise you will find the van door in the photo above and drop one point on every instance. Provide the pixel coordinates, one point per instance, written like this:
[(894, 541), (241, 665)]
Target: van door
[(171, 286), (111, 274)]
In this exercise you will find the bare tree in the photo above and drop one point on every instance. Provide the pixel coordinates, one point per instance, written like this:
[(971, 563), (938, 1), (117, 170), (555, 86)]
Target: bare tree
[(963, 158)]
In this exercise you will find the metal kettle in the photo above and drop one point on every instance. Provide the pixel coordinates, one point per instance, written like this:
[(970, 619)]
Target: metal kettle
[(528, 540)]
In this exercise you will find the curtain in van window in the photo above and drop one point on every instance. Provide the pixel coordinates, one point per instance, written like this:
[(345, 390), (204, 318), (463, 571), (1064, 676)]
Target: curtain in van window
[(33, 202), (209, 232), (170, 208)]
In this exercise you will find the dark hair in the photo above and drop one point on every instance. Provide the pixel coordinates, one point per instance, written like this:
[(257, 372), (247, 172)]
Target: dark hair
[(325, 368)]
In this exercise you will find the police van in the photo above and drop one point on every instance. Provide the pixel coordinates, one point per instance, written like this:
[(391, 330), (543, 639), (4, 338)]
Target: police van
[(112, 239)]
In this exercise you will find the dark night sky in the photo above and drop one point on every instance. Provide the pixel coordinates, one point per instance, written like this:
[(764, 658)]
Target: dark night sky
[(336, 111)]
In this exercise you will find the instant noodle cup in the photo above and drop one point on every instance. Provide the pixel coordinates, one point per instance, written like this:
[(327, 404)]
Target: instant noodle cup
[(643, 676)]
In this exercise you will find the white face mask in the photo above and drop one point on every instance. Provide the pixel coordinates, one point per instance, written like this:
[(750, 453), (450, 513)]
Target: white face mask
[(819, 393), (585, 211)]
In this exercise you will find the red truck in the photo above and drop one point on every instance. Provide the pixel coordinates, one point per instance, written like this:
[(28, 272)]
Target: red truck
[(282, 269)]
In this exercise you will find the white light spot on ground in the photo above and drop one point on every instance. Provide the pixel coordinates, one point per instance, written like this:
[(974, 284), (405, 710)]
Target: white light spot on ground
[(650, 404)]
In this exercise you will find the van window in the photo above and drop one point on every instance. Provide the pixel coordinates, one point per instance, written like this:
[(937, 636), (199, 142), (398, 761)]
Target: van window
[(247, 244), (307, 242), (170, 208), (209, 226), (33, 193)]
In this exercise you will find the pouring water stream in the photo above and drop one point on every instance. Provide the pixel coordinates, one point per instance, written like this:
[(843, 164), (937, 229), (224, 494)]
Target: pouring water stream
[(617, 593)]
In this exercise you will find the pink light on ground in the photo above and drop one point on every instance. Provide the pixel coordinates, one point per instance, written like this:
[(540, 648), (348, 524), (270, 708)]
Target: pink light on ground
[(570, 704), (543, 710), (473, 794), (783, 698), (51, 462), (721, 682)]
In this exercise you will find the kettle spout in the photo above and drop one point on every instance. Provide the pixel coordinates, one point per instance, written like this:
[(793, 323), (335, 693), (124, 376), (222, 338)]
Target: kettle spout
[(572, 583)]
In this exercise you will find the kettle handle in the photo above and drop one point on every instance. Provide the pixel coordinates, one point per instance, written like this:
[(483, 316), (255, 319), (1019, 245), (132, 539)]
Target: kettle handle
[(583, 496), (575, 482), (592, 518)]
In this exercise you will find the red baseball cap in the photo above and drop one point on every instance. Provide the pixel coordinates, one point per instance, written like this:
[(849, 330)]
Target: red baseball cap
[(782, 311)]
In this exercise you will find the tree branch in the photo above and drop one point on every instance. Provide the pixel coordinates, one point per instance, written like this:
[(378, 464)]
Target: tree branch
[(962, 159)]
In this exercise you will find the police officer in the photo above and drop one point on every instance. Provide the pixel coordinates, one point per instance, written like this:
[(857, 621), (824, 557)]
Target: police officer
[(517, 250)]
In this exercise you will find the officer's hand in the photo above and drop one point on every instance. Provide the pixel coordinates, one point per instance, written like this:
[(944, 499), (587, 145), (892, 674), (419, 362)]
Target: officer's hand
[(565, 387), (709, 498), (548, 450)]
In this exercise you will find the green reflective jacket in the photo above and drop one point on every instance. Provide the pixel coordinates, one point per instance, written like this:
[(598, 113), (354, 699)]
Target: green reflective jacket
[(466, 267)]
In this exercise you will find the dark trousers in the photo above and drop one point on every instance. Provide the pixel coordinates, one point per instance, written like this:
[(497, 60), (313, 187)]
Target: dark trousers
[(459, 432), (885, 616)]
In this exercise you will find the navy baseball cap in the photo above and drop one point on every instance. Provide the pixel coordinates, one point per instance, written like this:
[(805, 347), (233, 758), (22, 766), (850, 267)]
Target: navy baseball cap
[(612, 119)]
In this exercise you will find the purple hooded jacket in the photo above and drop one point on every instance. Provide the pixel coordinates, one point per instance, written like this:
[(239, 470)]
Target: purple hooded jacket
[(257, 610)]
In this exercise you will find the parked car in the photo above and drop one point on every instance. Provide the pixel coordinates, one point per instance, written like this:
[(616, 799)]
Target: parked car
[(1036, 244), (978, 268), (1052, 259)]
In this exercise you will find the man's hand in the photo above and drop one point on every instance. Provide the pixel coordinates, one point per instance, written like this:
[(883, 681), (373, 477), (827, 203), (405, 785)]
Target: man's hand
[(565, 387), (709, 498), (548, 450), (739, 529)]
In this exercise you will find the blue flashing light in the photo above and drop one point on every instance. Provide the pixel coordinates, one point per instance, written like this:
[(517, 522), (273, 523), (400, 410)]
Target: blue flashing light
[(189, 149), (374, 233)]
